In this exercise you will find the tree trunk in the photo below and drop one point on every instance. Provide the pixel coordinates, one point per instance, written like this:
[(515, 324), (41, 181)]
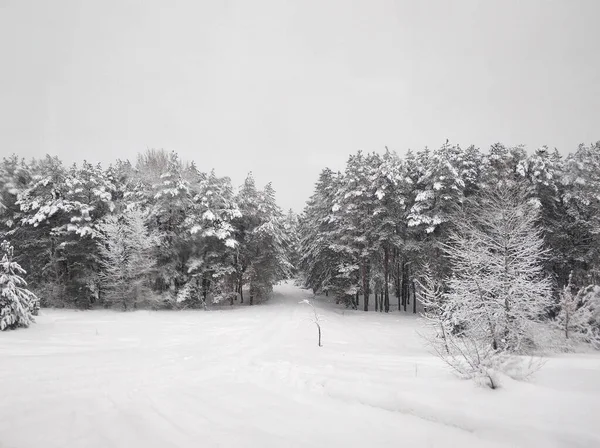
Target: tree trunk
[(386, 278), (205, 287), (397, 282), (319, 327), (231, 287), (414, 292), (405, 284), (376, 302), (201, 296), (365, 284)]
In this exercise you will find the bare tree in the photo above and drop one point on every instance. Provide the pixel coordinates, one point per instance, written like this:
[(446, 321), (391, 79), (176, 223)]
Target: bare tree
[(315, 318), (125, 246), (576, 318), (498, 288), (497, 292)]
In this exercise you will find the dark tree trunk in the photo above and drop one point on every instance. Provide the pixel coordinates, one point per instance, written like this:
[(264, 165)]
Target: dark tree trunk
[(414, 292), (205, 288), (376, 302), (398, 282), (405, 284), (355, 304), (202, 296), (232, 289), (365, 281), (386, 278)]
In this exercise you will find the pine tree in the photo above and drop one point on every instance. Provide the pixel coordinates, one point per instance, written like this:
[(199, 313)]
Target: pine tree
[(15, 177), (291, 227), (580, 218), (17, 303), (262, 241), (355, 204), (411, 230), (326, 265), (503, 164), (42, 210), (212, 247), (171, 202), (544, 172), (270, 244), (441, 187), (391, 187)]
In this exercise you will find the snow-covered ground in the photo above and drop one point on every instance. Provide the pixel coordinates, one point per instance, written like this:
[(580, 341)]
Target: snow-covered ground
[(254, 377)]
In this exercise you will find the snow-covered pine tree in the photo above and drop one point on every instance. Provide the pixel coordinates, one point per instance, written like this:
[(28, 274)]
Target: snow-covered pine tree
[(416, 172), (355, 204), (17, 304), (58, 214), (391, 188), (544, 171), (212, 247), (262, 241), (90, 193), (15, 177), (171, 202), (269, 239), (325, 265), (503, 164), (42, 209), (581, 216), (471, 169), (291, 226), (440, 190), (246, 200)]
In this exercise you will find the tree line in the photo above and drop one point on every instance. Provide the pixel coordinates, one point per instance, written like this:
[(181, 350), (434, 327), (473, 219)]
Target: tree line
[(156, 233), (498, 251), (373, 227)]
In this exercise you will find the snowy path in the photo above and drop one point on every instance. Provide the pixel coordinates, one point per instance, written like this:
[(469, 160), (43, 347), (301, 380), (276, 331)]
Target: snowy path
[(254, 377)]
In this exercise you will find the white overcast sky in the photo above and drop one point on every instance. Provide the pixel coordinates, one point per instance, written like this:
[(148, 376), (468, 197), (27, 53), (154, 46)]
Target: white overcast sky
[(284, 88)]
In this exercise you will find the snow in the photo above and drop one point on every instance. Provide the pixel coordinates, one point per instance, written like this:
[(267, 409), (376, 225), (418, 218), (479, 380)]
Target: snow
[(254, 377), (208, 216)]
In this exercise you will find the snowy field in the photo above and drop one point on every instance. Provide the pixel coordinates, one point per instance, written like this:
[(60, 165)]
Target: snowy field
[(254, 377)]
